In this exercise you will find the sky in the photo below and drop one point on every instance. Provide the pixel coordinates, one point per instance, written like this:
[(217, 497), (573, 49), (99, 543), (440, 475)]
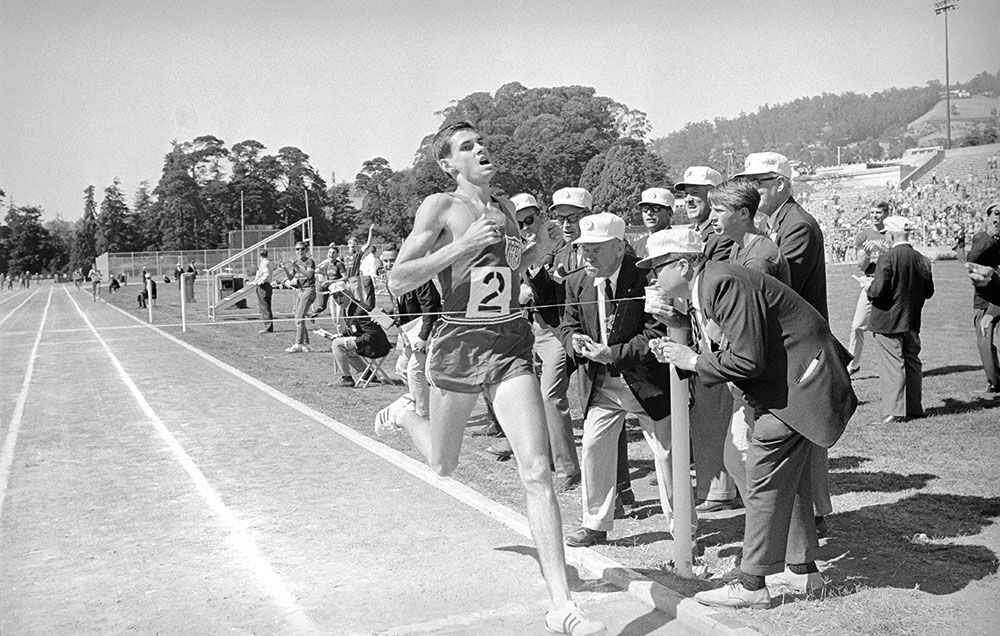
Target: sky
[(91, 90)]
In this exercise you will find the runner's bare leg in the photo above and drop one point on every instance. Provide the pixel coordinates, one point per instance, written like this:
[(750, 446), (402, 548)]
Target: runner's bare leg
[(439, 438), (519, 408)]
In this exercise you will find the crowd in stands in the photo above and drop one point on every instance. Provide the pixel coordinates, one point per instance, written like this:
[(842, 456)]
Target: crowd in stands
[(945, 210)]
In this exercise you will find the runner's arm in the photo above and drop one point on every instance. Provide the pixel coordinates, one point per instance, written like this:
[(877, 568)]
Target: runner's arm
[(416, 264)]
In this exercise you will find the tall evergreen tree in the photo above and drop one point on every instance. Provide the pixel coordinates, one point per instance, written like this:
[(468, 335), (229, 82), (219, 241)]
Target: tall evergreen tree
[(114, 228), (85, 246)]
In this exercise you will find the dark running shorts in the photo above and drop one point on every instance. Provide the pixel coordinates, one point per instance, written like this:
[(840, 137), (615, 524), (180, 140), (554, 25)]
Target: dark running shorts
[(464, 358)]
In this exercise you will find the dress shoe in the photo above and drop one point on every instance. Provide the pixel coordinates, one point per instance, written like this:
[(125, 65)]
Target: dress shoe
[(585, 537), (571, 620), (715, 505), (566, 484), (790, 583), (347, 381), (734, 595), (892, 419)]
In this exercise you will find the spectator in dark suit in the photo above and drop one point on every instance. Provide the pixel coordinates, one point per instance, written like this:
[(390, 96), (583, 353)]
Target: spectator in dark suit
[(609, 339), (902, 282), (361, 335), (985, 250), (800, 239), (756, 333)]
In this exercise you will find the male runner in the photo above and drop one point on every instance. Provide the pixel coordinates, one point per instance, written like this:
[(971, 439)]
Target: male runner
[(469, 239)]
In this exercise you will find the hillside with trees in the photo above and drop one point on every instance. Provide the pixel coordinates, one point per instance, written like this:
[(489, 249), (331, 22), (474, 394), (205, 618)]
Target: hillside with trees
[(810, 129)]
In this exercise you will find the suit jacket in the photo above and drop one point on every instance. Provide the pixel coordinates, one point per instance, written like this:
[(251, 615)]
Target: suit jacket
[(631, 331), (991, 291), (985, 250), (369, 337), (424, 302), (901, 285), (801, 241), (777, 349)]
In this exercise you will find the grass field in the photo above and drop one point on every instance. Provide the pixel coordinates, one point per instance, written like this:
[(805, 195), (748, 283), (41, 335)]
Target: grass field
[(914, 536)]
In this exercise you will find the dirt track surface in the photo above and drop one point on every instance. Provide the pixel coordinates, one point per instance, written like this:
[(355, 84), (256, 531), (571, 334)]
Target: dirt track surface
[(162, 494)]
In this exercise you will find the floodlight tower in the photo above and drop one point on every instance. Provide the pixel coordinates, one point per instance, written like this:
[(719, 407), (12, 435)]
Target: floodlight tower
[(944, 6)]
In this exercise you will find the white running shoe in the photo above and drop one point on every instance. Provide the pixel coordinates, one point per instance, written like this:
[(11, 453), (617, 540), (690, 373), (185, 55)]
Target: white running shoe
[(385, 420), (571, 620), (295, 348)]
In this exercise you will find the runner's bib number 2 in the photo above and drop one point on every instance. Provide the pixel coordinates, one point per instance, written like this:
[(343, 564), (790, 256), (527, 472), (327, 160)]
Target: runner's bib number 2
[(489, 292)]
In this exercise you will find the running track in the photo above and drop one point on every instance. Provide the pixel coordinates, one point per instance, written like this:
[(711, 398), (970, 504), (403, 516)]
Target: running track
[(145, 488)]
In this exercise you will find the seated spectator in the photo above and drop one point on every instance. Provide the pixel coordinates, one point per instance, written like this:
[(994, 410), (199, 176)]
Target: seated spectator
[(361, 336)]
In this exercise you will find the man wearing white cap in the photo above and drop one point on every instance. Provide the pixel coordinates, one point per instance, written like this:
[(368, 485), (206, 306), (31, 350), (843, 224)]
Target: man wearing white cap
[(901, 283), (800, 239), (607, 329), (545, 299), (698, 182), (469, 240), (712, 405), (656, 205), (795, 231), (755, 333)]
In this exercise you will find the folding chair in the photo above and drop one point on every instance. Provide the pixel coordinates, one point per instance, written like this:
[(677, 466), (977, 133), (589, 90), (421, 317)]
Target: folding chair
[(373, 369)]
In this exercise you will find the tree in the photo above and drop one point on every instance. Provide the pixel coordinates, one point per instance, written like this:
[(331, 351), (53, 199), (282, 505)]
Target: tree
[(341, 214), (301, 182), (62, 234), (114, 227), (28, 246), (178, 206), (85, 246), (617, 177), (147, 235)]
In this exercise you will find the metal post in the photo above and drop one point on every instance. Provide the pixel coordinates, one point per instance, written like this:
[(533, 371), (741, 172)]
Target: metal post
[(149, 298), (680, 450), (944, 6), (184, 325)]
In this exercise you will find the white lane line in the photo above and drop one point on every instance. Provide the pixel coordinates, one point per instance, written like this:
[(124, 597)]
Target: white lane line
[(473, 498), (11, 313), (7, 453), (238, 534), (7, 300), (454, 622)]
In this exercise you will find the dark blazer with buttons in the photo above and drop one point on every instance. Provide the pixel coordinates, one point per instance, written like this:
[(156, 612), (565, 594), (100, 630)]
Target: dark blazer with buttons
[(901, 284), (631, 331), (423, 302), (370, 338), (800, 239), (769, 337)]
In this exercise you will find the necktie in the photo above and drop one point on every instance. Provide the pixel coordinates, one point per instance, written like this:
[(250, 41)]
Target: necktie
[(697, 336), (609, 294)]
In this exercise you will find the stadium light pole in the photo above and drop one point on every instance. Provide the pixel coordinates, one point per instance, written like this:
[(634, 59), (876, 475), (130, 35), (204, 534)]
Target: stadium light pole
[(944, 6)]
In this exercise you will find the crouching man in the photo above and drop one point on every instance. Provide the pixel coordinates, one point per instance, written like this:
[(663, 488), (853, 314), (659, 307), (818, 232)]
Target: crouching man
[(756, 333)]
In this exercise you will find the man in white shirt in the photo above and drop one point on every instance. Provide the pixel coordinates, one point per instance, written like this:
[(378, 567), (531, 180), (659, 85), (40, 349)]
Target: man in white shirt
[(369, 272), (262, 279)]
